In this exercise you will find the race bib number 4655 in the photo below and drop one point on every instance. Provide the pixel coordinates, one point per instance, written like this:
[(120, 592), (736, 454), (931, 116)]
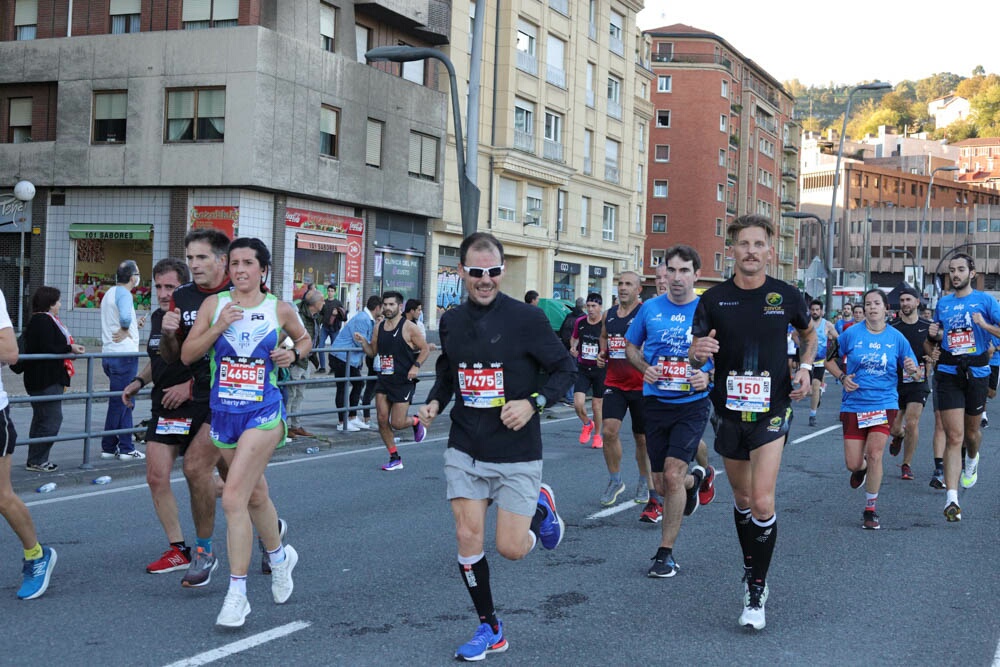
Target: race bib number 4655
[(242, 378)]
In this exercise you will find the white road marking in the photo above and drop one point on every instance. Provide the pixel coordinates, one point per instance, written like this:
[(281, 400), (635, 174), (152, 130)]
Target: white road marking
[(241, 645), (817, 433)]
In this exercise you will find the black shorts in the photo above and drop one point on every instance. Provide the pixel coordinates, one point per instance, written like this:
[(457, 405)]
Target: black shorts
[(912, 392), (673, 429), (589, 377), (164, 425), (994, 377), (396, 392), (818, 371), (735, 439), (961, 391), (618, 401), (7, 432)]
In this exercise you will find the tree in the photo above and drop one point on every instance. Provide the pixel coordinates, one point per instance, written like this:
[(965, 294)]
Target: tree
[(937, 85), (957, 131), (812, 124), (978, 71)]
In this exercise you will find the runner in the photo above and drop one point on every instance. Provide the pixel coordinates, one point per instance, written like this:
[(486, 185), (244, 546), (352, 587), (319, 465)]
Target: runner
[(400, 357), (675, 397), (584, 345), (963, 323), (492, 349), (741, 324), (844, 317), (994, 378), (240, 330), (826, 333), (873, 354), (623, 393), (913, 391)]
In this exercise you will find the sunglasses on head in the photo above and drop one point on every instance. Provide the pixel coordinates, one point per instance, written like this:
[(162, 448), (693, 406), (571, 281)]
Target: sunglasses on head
[(478, 272)]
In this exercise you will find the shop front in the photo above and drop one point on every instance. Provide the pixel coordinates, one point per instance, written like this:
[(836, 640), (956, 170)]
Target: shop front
[(98, 249), (329, 250), (399, 271), (564, 280), (596, 279), (400, 253)]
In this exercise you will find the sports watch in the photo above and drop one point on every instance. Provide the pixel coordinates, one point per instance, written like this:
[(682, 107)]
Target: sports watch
[(540, 401)]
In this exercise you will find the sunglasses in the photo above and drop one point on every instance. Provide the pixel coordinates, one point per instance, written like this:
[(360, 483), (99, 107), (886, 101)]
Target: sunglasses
[(477, 272)]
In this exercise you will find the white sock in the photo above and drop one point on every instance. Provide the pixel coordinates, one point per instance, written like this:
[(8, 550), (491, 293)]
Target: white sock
[(952, 496), (277, 556), (534, 540), (238, 584)]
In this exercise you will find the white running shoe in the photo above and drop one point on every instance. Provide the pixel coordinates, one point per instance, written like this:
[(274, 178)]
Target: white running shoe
[(281, 576), (235, 609), (360, 424), (753, 607), (970, 474)]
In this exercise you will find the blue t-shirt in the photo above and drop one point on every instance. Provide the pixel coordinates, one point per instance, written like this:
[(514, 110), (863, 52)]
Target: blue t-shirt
[(821, 339), (995, 358), (663, 330), (876, 362), (961, 336)]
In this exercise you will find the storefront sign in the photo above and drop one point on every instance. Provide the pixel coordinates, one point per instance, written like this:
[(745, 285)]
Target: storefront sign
[(224, 218), (110, 232), (567, 267), (598, 272), (402, 273), (15, 216), (324, 222), (350, 248)]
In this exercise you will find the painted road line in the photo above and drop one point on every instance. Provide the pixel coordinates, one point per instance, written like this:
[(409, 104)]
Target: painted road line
[(817, 433), (241, 645)]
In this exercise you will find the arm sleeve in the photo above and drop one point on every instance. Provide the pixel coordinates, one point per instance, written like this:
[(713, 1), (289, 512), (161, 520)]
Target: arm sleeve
[(123, 301)]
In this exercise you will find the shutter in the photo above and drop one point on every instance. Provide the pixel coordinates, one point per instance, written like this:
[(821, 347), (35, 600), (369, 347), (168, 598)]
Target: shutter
[(197, 10), (328, 121), (226, 10), (119, 7), (110, 106), (211, 104), (326, 20), (180, 104), (20, 112), (428, 156), (507, 197), (373, 144), (413, 165), (26, 12)]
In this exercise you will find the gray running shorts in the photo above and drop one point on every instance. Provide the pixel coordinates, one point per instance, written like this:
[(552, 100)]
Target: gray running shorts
[(512, 486)]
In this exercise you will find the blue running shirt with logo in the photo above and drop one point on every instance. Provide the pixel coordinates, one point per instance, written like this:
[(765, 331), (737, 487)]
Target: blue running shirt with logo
[(243, 375), (876, 362), (962, 336)]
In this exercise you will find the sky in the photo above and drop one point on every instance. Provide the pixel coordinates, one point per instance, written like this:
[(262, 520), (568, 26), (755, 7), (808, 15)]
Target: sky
[(847, 42)]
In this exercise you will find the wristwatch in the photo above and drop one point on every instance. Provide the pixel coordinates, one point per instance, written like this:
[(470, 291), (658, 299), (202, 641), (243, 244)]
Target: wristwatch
[(540, 401), (298, 355)]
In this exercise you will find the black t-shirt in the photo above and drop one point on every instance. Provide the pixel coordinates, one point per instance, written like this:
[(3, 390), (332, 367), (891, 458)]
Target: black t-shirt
[(164, 374), (588, 341), (751, 327), (188, 298), (916, 334)]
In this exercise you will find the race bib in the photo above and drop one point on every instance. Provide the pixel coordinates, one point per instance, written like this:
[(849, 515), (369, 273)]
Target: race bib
[(872, 418), (675, 374), (168, 426), (386, 364), (588, 351), (961, 341), (481, 387), (616, 347), (242, 378), (748, 393)]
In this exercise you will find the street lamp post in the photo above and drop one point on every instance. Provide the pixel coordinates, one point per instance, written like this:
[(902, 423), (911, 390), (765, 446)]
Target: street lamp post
[(876, 85), (468, 192), (16, 206), (801, 215), (923, 220)]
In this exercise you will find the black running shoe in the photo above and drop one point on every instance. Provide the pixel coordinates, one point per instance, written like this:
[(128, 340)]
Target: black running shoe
[(692, 494)]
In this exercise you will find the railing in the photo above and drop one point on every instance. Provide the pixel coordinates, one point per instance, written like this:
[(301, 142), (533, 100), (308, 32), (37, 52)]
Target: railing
[(610, 171), (524, 141), (789, 174), (561, 6), (693, 59), (615, 109), (527, 62), (552, 150), (555, 75), (616, 45), (767, 124)]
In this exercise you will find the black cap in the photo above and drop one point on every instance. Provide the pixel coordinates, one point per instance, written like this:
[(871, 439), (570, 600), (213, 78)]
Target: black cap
[(909, 289)]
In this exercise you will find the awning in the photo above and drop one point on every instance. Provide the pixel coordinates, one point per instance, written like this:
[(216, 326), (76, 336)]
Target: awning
[(110, 232), (316, 242)]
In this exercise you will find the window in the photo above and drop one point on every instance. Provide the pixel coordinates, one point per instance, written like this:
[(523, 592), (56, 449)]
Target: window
[(720, 192), (723, 123), (329, 121), (588, 142), (524, 125), (657, 257), (413, 70), (614, 97), (553, 136), (638, 178), (527, 34), (611, 153), (718, 261), (718, 226), (592, 20), (584, 214), (561, 211), (664, 52), (199, 14), (197, 114), (423, 156), (110, 111), (125, 16), (373, 143), (609, 220), (725, 88), (507, 200), (19, 126), (766, 147), (661, 153), (362, 39), (26, 19), (638, 219), (722, 157), (555, 55), (590, 85), (615, 31), (659, 224), (533, 205), (661, 189), (663, 83), (327, 26), (640, 132), (663, 118)]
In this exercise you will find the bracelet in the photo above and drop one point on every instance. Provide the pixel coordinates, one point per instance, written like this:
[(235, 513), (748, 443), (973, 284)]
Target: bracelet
[(417, 364), (142, 383), (808, 367)]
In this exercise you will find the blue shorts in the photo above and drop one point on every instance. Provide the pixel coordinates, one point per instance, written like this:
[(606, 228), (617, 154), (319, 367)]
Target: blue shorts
[(227, 427), (673, 429)]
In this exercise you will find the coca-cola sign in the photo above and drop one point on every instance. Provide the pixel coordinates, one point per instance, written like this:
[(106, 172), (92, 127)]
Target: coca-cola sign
[(330, 223)]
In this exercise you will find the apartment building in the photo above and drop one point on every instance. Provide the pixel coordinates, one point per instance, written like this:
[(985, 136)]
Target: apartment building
[(722, 144), (138, 121), (564, 116), (979, 161)]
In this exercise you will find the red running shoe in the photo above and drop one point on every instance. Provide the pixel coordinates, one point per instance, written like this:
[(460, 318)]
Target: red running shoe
[(706, 492), (652, 512), (171, 560), (585, 432)]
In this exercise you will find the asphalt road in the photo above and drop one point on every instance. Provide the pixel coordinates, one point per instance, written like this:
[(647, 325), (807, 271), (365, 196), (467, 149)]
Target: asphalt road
[(377, 581)]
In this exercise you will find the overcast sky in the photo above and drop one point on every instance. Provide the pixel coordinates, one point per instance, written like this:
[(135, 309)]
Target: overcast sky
[(817, 44)]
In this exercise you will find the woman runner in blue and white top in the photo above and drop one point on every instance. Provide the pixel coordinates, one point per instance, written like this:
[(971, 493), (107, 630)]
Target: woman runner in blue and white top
[(240, 331), (873, 353)]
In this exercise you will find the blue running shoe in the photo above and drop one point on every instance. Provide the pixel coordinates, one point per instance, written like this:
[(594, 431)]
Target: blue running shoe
[(37, 574), (483, 642), (552, 527), (419, 432)]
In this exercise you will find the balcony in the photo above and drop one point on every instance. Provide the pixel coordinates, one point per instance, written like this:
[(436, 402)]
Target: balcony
[(611, 171), (790, 148), (552, 150), (731, 208), (614, 109), (693, 59), (561, 6), (786, 258), (789, 174), (787, 228), (734, 141), (767, 124), (788, 203), (555, 75), (524, 141), (527, 62)]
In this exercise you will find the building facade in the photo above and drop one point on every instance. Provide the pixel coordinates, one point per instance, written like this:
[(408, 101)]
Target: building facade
[(138, 121), (979, 161), (722, 144)]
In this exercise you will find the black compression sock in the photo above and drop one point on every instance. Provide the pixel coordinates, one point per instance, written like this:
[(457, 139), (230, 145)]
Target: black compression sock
[(763, 535), (477, 581), (742, 519)]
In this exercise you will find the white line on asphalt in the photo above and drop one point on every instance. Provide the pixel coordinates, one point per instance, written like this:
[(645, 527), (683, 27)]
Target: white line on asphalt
[(817, 433), (303, 459), (996, 656), (241, 645)]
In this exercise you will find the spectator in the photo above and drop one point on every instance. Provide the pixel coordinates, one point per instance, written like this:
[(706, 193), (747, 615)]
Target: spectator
[(347, 365), (309, 309), (45, 334), (332, 318), (531, 297), (120, 333)]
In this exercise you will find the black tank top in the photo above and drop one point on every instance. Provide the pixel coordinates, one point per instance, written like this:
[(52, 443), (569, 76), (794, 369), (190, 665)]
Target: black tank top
[(395, 355)]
